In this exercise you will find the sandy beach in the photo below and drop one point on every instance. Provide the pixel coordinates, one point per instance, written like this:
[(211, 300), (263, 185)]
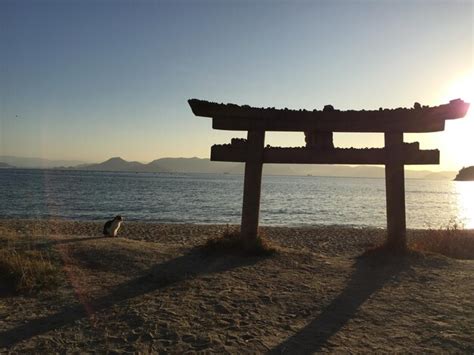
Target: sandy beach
[(153, 290)]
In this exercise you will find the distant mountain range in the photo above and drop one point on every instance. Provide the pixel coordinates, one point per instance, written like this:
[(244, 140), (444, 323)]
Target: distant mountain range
[(37, 163), (198, 165)]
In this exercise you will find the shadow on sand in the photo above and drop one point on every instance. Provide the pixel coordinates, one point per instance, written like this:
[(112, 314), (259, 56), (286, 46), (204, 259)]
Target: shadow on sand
[(74, 240), (187, 266), (370, 274)]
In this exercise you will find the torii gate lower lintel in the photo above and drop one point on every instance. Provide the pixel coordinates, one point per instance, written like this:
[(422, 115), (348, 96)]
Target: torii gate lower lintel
[(318, 127)]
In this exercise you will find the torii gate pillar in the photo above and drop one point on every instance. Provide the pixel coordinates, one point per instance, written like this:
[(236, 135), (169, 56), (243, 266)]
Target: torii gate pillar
[(252, 184), (395, 191)]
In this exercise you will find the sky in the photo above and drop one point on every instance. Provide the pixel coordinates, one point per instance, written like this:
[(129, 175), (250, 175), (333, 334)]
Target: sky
[(89, 80)]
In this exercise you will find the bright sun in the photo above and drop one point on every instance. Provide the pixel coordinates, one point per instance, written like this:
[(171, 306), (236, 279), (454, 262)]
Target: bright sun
[(458, 139)]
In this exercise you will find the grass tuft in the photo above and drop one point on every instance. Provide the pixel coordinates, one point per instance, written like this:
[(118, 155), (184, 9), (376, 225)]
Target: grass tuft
[(27, 271), (231, 242), (386, 252), (453, 242)]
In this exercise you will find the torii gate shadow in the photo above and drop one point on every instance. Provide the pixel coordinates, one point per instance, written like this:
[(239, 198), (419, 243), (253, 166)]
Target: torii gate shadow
[(370, 274), (189, 265)]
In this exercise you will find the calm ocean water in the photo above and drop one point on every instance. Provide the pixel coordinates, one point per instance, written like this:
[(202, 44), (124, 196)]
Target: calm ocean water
[(207, 198)]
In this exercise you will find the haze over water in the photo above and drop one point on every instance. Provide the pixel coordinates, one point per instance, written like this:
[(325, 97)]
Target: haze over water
[(212, 198)]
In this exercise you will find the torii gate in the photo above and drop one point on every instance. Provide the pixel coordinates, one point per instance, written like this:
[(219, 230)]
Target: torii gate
[(318, 127)]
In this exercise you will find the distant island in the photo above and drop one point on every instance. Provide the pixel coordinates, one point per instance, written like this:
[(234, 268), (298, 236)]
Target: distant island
[(465, 174)]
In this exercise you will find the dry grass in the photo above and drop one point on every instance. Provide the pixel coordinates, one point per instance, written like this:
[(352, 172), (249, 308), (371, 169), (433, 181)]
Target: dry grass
[(384, 254), (231, 242), (453, 242), (28, 272), (25, 268)]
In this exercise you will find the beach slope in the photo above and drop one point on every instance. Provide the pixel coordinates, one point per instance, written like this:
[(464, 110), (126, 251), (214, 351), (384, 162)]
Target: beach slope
[(152, 289)]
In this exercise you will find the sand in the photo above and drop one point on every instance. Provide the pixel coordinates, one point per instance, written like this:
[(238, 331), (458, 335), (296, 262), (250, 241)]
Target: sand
[(152, 290)]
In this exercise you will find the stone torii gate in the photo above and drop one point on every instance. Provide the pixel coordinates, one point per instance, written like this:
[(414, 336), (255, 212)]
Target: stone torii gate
[(318, 127)]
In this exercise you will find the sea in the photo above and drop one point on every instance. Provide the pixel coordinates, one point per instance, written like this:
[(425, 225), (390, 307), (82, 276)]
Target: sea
[(217, 198)]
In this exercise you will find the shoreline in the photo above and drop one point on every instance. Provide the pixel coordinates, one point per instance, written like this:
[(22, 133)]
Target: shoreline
[(53, 220), (190, 235)]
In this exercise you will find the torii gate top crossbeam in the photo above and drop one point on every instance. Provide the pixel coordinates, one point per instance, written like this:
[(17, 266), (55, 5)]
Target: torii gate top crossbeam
[(244, 118)]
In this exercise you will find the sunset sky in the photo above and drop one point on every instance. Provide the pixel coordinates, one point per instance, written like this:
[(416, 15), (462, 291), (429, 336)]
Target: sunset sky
[(88, 80)]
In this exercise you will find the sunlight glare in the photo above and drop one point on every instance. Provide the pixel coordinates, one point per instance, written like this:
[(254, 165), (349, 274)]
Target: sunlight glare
[(457, 143), (465, 190)]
